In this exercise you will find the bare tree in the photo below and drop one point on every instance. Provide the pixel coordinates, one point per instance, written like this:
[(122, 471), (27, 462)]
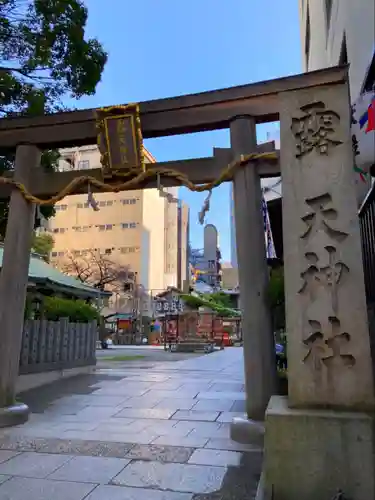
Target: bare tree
[(98, 271)]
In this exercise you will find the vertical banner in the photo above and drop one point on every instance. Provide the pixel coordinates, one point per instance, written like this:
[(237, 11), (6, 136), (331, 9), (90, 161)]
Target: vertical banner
[(270, 247)]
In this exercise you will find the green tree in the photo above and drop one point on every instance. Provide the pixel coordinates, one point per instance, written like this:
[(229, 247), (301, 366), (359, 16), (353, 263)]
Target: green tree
[(43, 245), (44, 58)]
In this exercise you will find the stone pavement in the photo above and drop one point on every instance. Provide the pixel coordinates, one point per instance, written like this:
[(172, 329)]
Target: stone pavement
[(134, 432)]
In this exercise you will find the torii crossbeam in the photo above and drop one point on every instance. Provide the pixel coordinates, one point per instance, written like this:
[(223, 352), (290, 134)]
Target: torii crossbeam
[(239, 109)]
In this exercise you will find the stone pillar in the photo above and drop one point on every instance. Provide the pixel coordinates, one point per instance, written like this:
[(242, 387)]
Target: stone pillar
[(259, 354), (13, 284), (320, 439)]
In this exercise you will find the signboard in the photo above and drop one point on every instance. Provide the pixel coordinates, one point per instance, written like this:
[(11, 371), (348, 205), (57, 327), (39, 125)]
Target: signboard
[(119, 139), (172, 306)]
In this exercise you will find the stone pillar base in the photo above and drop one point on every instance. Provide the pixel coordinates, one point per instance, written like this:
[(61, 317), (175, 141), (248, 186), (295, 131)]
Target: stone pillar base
[(16, 414), (312, 454)]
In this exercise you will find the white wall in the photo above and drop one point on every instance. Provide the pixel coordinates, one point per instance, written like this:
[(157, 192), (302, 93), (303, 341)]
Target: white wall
[(351, 22), (354, 19)]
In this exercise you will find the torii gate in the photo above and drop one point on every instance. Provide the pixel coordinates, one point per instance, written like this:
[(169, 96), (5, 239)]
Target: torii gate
[(329, 363)]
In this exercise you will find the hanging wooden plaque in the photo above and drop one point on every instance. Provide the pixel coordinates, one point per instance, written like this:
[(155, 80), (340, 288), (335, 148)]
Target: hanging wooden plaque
[(120, 140)]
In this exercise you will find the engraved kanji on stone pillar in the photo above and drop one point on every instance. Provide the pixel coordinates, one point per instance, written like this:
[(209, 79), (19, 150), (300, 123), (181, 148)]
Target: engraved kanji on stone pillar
[(329, 362)]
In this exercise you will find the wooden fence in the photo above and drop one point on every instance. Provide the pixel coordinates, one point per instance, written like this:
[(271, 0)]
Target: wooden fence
[(56, 345)]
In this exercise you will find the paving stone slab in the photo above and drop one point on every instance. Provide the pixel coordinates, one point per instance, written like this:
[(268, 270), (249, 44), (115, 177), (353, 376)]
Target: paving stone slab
[(214, 405), (178, 454), (227, 386), (176, 404), (21, 443), (239, 406), (176, 477), (186, 441), (200, 416), (145, 413), (236, 396), (90, 469), (230, 445), (31, 464), (178, 394), (142, 437), (19, 488), (221, 432), (6, 455), (119, 391), (220, 458), (104, 400), (227, 416), (97, 412), (86, 448), (206, 428), (239, 483), (123, 493), (4, 478), (141, 402)]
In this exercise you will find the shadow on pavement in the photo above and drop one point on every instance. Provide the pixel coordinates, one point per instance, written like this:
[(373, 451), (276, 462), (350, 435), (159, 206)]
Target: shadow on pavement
[(40, 398), (240, 482)]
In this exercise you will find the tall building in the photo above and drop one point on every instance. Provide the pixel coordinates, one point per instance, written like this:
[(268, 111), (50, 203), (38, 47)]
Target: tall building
[(335, 32), (206, 263), (144, 231)]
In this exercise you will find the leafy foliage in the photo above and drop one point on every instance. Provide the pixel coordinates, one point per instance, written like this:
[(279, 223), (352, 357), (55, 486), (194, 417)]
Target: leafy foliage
[(43, 245), (44, 57), (205, 300), (275, 291), (54, 308)]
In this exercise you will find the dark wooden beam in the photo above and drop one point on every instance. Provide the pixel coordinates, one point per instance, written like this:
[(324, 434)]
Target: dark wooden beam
[(162, 117), (199, 171)]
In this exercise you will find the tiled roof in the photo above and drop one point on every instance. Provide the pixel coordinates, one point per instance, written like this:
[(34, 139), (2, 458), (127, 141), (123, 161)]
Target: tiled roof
[(40, 271)]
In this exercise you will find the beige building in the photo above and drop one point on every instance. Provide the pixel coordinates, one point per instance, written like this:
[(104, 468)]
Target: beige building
[(144, 231)]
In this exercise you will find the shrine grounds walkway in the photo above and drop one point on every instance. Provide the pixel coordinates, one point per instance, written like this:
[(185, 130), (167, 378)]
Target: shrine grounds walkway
[(134, 430)]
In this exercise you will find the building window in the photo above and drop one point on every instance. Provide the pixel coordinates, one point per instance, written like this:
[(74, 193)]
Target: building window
[(83, 165), (308, 36), (59, 208), (328, 12), (107, 203), (129, 201), (105, 227), (54, 254), (60, 230), (129, 225), (129, 249), (108, 251), (57, 254)]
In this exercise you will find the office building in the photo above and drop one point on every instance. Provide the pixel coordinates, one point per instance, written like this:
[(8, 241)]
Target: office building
[(144, 231), (206, 263)]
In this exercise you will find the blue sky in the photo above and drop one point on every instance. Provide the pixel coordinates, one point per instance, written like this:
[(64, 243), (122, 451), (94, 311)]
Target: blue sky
[(163, 48)]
